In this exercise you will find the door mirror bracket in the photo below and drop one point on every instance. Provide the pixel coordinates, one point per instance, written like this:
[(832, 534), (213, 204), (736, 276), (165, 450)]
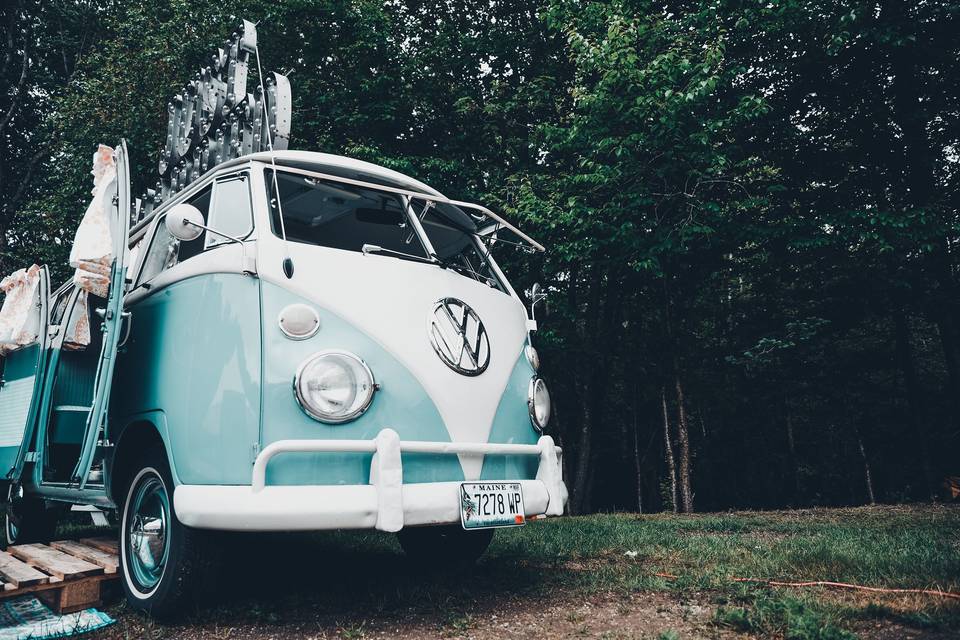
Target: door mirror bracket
[(185, 223), (536, 294)]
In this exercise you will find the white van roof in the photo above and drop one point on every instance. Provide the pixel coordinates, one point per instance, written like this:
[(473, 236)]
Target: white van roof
[(340, 166), (349, 169)]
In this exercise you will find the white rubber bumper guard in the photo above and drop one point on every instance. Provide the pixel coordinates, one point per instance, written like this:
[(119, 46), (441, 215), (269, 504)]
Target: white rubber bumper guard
[(386, 503)]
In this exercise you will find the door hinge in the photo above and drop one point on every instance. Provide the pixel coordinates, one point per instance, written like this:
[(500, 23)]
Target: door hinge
[(254, 452), (31, 456), (249, 265)]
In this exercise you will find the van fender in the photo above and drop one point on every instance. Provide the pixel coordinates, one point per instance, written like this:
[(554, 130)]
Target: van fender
[(139, 431)]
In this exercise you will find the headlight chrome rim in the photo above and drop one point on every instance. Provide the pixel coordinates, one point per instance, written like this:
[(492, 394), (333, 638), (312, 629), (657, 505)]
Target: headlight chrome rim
[(326, 419), (533, 357), (536, 383)]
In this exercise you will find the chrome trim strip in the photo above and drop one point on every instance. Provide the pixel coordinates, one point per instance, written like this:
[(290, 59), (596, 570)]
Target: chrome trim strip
[(536, 381)]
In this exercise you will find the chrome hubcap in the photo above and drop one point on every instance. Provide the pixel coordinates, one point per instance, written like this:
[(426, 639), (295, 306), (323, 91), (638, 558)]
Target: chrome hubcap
[(148, 539)]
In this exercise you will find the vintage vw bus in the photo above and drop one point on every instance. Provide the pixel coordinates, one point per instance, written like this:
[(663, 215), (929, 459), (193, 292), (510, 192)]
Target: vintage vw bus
[(298, 341)]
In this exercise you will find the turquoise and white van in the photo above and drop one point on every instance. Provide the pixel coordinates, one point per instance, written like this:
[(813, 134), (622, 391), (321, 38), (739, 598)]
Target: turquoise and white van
[(294, 342)]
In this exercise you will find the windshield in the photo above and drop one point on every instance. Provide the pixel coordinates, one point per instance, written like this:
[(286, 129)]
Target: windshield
[(347, 217), (453, 236), (341, 216)]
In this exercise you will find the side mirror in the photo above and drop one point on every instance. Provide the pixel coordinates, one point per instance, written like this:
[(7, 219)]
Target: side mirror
[(184, 222), (536, 294)]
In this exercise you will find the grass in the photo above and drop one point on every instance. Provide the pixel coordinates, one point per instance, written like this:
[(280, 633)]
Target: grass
[(354, 578), (880, 547)]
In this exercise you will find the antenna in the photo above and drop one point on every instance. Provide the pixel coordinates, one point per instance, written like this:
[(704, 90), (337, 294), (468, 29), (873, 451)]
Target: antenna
[(287, 260)]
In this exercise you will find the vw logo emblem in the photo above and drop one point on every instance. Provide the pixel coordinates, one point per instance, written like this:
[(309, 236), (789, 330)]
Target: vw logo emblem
[(458, 337)]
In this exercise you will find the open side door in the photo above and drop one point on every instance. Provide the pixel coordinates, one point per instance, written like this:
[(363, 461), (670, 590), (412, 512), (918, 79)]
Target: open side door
[(112, 317), (21, 390)]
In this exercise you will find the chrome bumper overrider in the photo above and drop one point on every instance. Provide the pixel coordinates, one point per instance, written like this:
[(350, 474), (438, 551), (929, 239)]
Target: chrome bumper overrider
[(385, 503)]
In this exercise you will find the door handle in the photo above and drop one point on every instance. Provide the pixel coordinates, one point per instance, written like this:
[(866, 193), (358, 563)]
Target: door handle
[(126, 315)]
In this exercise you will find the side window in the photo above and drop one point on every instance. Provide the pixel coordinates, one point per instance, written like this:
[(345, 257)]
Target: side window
[(231, 212), (225, 206), (60, 306), (161, 255), (165, 251), (189, 249)]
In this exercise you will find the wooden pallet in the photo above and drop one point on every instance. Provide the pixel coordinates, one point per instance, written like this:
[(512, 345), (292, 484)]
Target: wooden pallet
[(68, 575)]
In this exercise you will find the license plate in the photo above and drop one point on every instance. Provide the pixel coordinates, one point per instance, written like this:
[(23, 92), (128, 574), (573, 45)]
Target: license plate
[(491, 504)]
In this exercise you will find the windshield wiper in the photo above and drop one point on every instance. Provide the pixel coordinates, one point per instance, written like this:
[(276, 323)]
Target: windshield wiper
[(434, 259), (459, 268), (367, 249)]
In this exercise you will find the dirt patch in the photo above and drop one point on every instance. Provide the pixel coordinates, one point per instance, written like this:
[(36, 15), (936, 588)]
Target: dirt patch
[(609, 616)]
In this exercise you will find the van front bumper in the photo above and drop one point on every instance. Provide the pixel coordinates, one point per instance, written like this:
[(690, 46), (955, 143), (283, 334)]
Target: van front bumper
[(386, 503)]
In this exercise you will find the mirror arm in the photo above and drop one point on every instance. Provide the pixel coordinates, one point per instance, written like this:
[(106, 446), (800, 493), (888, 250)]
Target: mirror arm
[(214, 231), (249, 265)]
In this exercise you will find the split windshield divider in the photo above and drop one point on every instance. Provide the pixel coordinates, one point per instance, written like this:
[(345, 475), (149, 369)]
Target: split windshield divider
[(418, 227)]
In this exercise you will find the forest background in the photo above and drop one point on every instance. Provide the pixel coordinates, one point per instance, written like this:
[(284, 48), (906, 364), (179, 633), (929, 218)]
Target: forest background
[(750, 208)]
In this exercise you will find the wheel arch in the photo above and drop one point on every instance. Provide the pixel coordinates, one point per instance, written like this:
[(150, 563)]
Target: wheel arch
[(139, 434)]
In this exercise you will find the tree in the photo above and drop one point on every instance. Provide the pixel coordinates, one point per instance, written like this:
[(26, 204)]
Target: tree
[(45, 42), (750, 208)]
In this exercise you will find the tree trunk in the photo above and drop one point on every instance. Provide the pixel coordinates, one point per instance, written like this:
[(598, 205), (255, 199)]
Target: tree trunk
[(948, 343), (578, 497), (683, 438), (637, 461), (915, 418), (792, 451), (638, 471), (578, 500), (668, 450), (868, 476), (3, 252), (598, 338)]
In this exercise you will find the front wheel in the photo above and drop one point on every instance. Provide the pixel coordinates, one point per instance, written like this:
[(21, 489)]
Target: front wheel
[(161, 558), (446, 545)]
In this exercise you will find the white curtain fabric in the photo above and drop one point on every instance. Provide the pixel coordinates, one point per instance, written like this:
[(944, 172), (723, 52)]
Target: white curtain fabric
[(77, 337), (92, 250), (20, 314)]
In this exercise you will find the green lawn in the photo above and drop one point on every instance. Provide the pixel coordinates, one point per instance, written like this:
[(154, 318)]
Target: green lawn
[(896, 547), (356, 578)]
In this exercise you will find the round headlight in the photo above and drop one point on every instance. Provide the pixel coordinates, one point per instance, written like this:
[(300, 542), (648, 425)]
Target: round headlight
[(532, 356), (334, 386), (538, 404)]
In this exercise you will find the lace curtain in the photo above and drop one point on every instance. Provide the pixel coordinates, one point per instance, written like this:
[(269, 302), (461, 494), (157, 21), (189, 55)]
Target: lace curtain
[(19, 316), (92, 252)]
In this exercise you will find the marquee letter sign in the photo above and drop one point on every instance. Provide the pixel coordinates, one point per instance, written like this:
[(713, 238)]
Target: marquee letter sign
[(214, 119)]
